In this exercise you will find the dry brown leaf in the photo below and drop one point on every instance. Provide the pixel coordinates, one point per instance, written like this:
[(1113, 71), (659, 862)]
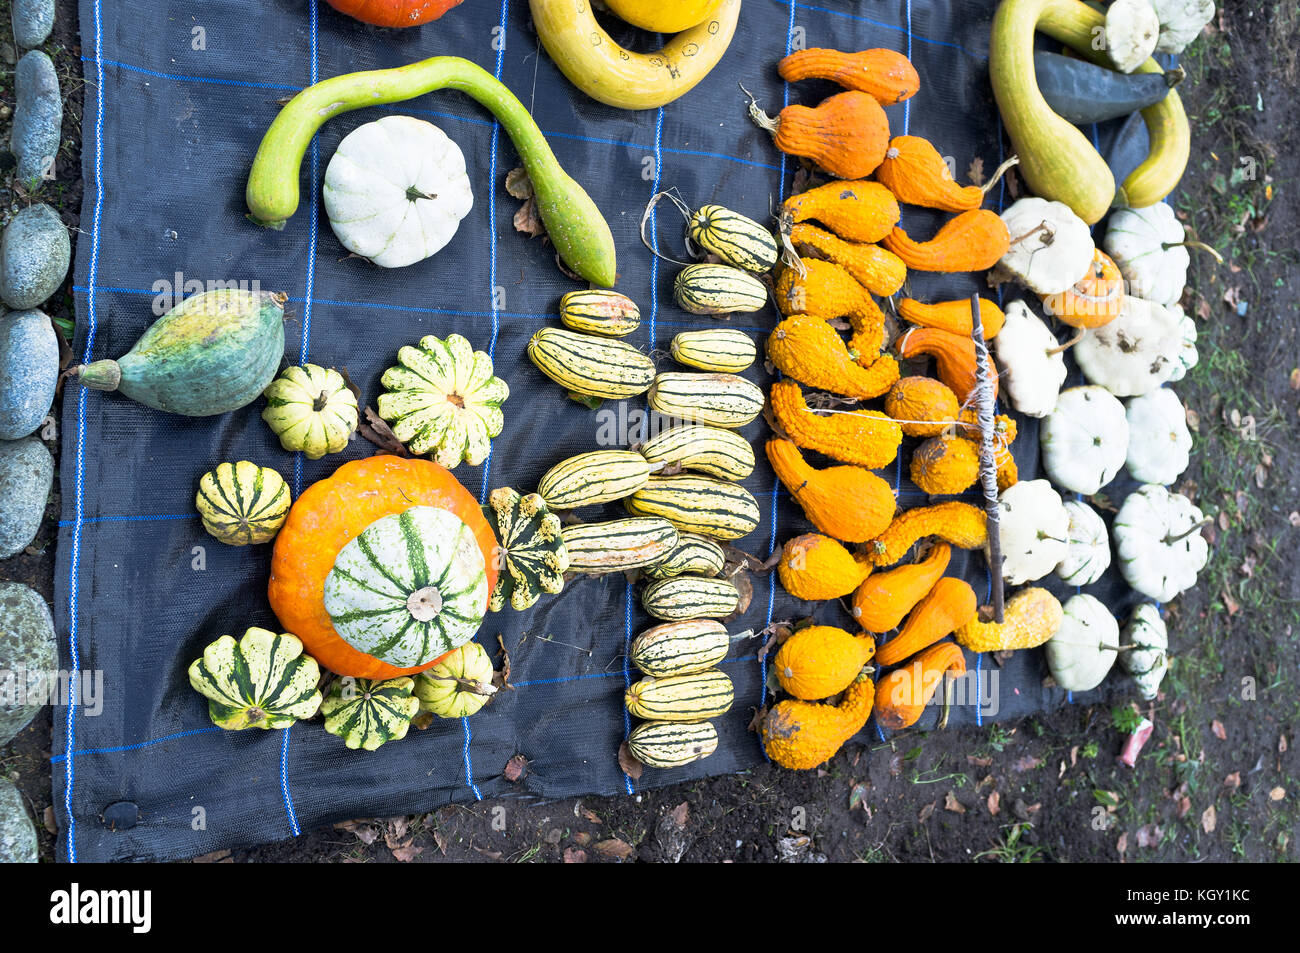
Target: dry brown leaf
[(975, 172), (1281, 744), (440, 842), (681, 814), (950, 803), (614, 849), (1148, 835), (1220, 732), (1209, 819), (1026, 763), (1233, 780), (407, 851), (1277, 794), (590, 815), (216, 857), (926, 810), (51, 824), (489, 854), (518, 184), (630, 765), (572, 855), (994, 803), (515, 768), (363, 830), (978, 761), (375, 429), (1184, 805), (1295, 378), (501, 677), (1121, 845)]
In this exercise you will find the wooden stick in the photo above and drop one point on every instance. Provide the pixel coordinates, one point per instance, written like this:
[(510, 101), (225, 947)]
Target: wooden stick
[(988, 456)]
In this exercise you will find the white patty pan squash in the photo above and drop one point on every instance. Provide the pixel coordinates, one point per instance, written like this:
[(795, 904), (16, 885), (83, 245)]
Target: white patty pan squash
[(1031, 367), (1083, 650), (1132, 30), (395, 191), (1188, 356), (1051, 247), (311, 409), (1085, 439), (1181, 21), (1135, 353), (1160, 445), (1146, 641), (1034, 526), (1087, 553), (1159, 543), (1147, 244)]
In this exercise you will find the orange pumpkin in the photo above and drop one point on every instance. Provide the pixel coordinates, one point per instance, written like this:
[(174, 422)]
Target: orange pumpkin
[(332, 512), (1094, 300), (394, 12)]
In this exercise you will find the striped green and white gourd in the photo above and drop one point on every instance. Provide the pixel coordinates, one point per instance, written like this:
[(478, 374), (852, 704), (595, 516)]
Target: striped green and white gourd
[(367, 713), (718, 289), (262, 681), (717, 400), (595, 477), (700, 695), (410, 587), (734, 238), (589, 365), (725, 350), (690, 597), (713, 451), (607, 313), (698, 504), (532, 558), (242, 503), (616, 545), (669, 744), (680, 648), (693, 554)]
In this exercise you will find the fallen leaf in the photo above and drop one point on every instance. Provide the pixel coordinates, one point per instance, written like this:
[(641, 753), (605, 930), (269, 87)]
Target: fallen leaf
[(1261, 475), (896, 764), (1277, 794), (375, 429), (422, 721), (994, 803), (858, 794), (614, 849), (51, 824), (978, 761), (518, 184), (950, 803), (630, 765), (395, 830), (362, 829), (1148, 835), (408, 851), (574, 856), (924, 814), (216, 857), (1281, 744), (1193, 420), (591, 815), (1074, 756), (1229, 603), (976, 171), (1026, 763), (554, 836), (1121, 845), (1184, 805), (1295, 378), (501, 677), (1293, 518), (1233, 780), (681, 814), (1220, 732), (582, 838), (516, 768), (1209, 819), (527, 220), (440, 842), (489, 854)]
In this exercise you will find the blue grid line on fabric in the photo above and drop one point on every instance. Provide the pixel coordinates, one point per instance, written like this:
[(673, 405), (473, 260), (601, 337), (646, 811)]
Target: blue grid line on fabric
[(627, 672), (130, 519), (60, 758), (887, 26), (183, 77), (469, 763), (289, 812)]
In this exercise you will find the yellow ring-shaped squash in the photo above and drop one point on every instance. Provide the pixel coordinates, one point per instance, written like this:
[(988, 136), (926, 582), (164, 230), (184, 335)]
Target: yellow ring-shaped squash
[(663, 16), (605, 71)]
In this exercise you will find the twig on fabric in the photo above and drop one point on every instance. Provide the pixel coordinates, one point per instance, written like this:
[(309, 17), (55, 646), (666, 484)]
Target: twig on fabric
[(988, 456)]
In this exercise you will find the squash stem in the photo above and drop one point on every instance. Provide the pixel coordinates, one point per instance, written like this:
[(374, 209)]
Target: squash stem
[(1194, 528), (1061, 348), (999, 172), (1199, 245)]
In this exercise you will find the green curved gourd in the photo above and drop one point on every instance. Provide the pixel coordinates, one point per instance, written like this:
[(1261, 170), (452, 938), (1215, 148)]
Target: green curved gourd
[(212, 353), (1057, 160), (573, 222), (367, 713), (262, 681)]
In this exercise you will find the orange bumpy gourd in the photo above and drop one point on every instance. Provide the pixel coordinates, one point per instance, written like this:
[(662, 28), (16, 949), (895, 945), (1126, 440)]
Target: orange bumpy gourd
[(954, 358), (1094, 300), (945, 465), (953, 316), (858, 211), (923, 406), (888, 76), (802, 735), (815, 567), (961, 524), (881, 602), (864, 437), (877, 269), (902, 695), (827, 291), (846, 134), (1030, 618), (844, 502), (948, 605), (917, 174), (821, 660), (808, 349), (973, 241)]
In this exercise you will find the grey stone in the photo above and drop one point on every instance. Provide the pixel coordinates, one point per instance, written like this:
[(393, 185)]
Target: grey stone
[(34, 257), (28, 657), (26, 476), (29, 371), (17, 832), (38, 119), (33, 22)]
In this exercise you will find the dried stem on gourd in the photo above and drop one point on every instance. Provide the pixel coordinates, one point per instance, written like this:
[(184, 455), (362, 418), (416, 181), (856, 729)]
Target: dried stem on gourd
[(988, 455), (998, 173), (1078, 336), (672, 196)]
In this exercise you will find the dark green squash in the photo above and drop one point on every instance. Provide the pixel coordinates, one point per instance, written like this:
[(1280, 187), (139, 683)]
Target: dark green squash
[(1083, 92)]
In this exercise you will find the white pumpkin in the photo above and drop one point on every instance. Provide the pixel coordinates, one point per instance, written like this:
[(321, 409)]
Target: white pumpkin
[(1132, 29), (1146, 641), (1029, 373), (1147, 244), (395, 191), (1135, 353), (1181, 21), (1051, 247), (1085, 439), (1082, 651), (1087, 553), (1160, 445), (1033, 527), (1159, 542), (1187, 355)]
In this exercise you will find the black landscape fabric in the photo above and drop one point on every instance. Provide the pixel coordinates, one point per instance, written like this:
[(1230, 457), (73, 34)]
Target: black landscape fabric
[(178, 96)]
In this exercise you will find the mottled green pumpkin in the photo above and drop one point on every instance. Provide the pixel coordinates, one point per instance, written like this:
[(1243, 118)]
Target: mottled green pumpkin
[(311, 409), (458, 685), (242, 503), (367, 713), (262, 681), (532, 558)]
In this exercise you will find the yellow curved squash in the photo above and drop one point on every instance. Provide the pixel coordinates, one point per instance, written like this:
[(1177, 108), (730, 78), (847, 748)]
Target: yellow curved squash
[(663, 16), (602, 69)]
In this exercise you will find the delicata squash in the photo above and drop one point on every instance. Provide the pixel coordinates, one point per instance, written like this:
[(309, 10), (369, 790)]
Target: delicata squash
[(865, 437)]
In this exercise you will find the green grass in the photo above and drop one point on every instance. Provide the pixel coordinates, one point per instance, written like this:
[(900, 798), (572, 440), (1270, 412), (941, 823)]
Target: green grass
[(1008, 849)]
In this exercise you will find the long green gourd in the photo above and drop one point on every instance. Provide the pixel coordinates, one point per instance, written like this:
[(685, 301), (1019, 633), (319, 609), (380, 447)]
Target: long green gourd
[(575, 225), (1057, 160)]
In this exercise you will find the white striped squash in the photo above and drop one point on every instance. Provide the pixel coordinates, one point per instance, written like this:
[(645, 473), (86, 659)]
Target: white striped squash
[(737, 240), (718, 289), (693, 697), (713, 451), (690, 597), (725, 350), (262, 681), (680, 648), (367, 713), (589, 365), (667, 744), (698, 504), (718, 400), (598, 476), (616, 545)]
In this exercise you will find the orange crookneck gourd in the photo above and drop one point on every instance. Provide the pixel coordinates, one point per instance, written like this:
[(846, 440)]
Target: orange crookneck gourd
[(820, 660), (827, 291), (845, 502), (954, 358), (901, 696), (950, 603), (888, 76), (917, 174), (815, 567), (961, 524), (846, 134), (801, 735), (864, 437), (884, 598), (857, 211), (952, 316), (877, 269), (972, 241), (809, 350)]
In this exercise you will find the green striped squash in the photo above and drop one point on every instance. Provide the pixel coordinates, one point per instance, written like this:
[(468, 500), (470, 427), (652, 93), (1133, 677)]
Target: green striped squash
[(668, 744), (690, 597), (242, 503), (410, 587), (714, 451), (692, 697), (692, 554), (737, 240), (698, 504), (600, 312), (718, 289), (589, 365), (367, 713), (714, 349), (459, 685), (262, 681), (719, 400), (595, 477), (616, 545), (532, 557), (680, 648)]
